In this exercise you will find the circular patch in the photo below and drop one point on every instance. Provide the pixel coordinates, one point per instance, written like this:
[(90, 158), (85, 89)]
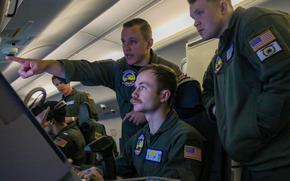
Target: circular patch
[(268, 51), (128, 77), (139, 145), (218, 64)]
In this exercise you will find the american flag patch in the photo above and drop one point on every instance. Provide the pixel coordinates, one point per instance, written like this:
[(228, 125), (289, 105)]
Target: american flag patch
[(60, 142), (192, 152), (262, 40)]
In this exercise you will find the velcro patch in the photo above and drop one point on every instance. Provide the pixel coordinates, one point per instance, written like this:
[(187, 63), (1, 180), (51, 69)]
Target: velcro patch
[(192, 152), (268, 51), (262, 40), (60, 142), (153, 155), (98, 135), (70, 102)]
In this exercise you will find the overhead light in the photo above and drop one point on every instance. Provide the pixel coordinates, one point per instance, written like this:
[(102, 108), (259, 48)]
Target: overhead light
[(170, 28), (180, 23), (114, 55)]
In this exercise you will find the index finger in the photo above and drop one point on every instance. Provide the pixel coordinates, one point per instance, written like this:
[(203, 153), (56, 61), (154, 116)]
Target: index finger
[(15, 59)]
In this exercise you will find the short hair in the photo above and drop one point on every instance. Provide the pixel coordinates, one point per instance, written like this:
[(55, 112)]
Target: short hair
[(58, 78), (165, 77), (145, 28)]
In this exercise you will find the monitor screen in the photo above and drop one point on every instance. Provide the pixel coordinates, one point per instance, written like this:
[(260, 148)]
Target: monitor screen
[(26, 151)]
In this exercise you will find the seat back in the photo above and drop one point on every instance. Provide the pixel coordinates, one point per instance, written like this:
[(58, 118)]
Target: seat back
[(90, 128), (189, 108)]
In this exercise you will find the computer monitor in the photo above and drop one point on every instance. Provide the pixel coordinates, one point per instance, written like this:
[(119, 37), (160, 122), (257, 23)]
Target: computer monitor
[(26, 151)]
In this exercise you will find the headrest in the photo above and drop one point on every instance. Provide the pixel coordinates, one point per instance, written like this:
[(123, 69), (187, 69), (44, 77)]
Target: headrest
[(84, 113), (188, 94)]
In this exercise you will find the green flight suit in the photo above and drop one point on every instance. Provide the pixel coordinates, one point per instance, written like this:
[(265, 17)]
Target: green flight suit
[(117, 75), (249, 82), (71, 141), (163, 154), (75, 99)]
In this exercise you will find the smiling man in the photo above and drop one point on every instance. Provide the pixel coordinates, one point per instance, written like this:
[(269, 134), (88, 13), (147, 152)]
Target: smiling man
[(247, 84), (118, 75)]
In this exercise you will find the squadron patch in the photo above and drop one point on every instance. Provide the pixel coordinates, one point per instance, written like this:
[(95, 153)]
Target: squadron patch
[(218, 64), (153, 155), (139, 145), (128, 78), (192, 152), (60, 142)]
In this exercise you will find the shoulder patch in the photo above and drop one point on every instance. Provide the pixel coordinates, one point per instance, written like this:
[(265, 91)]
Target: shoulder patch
[(98, 135), (268, 51), (262, 40), (192, 152), (60, 142)]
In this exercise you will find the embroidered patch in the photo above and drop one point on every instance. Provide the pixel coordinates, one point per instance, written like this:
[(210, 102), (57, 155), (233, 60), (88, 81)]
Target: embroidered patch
[(192, 152), (153, 155), (60, 142), (218, 64), (230, 52), (98, 135), (70, 102), (268, 51), (128, 78), (262, 40), (139, 145)]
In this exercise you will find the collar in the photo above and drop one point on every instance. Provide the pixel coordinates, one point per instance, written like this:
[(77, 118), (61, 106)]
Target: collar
[(72, 93), (153, 57), (226, 37), (169, 122)]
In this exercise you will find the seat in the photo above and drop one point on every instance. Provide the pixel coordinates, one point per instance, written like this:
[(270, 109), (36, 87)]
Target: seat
[(188, 105), (92, 130)]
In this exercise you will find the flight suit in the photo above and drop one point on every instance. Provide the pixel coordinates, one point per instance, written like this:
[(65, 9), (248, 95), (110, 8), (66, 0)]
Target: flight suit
[(249, 82), (117, 75), (75, 99), (71, 141), (174, 151)]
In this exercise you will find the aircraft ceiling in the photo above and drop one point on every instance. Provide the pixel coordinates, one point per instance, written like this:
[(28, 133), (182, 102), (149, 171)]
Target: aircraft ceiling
[(90, 29)]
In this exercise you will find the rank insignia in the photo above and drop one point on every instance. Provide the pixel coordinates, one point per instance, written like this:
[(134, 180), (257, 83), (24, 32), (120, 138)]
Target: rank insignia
[(139, 144), (128, 77)]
